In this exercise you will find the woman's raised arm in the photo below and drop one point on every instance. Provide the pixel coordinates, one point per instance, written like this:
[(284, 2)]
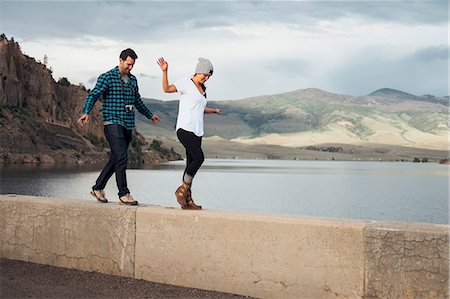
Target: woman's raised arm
[(168, 88)]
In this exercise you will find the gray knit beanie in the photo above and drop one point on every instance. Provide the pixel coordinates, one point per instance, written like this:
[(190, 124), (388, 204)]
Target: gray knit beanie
[(204, 66)]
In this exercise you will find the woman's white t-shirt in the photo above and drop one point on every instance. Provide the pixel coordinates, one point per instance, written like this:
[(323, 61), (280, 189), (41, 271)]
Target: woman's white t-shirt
[(191, 108)]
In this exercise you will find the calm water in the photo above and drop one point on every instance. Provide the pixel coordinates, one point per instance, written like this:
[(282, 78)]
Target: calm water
[(361, 190)]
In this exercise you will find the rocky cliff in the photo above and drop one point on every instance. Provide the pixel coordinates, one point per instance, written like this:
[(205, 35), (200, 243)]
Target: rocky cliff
[(38, 118)]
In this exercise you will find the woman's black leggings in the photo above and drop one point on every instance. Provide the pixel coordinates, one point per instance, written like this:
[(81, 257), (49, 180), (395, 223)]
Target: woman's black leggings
[(194, 154)]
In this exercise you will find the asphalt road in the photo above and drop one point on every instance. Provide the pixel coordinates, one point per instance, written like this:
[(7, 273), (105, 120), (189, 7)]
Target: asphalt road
[(27, 280)]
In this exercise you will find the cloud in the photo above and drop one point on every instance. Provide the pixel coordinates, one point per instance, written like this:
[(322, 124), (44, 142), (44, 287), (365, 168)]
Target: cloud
[(92, 80), (259, 47), (142, 75), (432, 53), (374, 68), (410, 13), (289, 67), (128, 20)]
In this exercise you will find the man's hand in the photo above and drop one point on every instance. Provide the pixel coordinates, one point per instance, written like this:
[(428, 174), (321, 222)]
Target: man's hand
[(155, 119), (83, 120)]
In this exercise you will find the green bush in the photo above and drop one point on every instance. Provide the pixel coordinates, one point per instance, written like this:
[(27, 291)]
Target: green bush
[(64, 81)]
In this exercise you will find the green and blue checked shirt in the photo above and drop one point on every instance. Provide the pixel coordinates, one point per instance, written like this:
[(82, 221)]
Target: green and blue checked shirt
[(116, 94)]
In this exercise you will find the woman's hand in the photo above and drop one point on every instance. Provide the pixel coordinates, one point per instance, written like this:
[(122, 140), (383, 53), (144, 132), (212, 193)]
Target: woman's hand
[(169, 88), (213, 110), (163, 64)]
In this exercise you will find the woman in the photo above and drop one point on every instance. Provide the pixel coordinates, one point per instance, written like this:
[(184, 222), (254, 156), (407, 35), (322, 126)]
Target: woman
[(189, 127)]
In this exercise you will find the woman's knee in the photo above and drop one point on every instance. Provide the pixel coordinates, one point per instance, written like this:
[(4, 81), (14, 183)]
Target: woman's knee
[(195, 164), (200, 159)]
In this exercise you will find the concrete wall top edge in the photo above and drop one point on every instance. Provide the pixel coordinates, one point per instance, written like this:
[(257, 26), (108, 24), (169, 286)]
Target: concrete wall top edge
[(394, 226), (286, 219), (62, 201), (311, 220)]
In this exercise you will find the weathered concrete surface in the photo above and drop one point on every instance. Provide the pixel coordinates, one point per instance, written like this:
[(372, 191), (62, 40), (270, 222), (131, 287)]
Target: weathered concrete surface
[(66, 233), (261, 256), (407, 260), (249, 254)]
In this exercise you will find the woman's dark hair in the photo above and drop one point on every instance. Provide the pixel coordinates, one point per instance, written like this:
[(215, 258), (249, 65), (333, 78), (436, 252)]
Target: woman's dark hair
[(204, 89), (202, 85), (128, 53)]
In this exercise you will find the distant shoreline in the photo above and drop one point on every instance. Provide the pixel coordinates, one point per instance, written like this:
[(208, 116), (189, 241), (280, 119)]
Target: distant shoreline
[(225, 149)]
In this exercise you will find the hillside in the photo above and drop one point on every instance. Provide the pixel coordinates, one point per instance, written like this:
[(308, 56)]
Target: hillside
[(38, 123), (38, 117), (315, 118)]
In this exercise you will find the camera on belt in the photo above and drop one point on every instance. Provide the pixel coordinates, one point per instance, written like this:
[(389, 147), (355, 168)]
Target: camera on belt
[(129, 108)]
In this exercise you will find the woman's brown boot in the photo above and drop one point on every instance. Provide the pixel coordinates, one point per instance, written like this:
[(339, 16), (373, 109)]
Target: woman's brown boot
[(182, 194), (190, 204)]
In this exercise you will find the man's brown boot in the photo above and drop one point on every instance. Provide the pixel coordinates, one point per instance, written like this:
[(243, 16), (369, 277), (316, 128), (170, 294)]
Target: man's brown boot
[(182, 194)]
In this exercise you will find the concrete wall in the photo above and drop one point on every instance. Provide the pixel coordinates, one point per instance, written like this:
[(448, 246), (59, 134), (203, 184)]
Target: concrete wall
[(406, 260), (257, 255), (262, 256), (68, 233)]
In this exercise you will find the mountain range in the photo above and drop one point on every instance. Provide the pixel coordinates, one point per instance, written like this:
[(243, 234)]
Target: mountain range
[(38, 123), (316, 119)]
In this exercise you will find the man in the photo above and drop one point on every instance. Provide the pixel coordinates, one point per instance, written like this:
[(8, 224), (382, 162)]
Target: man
[(120, 98)]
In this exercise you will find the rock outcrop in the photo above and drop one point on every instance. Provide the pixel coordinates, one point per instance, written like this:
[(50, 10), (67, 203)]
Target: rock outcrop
[(38, 117)]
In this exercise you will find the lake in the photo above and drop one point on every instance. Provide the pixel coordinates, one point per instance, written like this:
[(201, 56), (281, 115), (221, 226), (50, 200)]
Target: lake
[(398, 191)]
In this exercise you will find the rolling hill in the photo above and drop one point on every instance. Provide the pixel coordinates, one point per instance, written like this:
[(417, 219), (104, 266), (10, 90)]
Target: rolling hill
[(313, 118)]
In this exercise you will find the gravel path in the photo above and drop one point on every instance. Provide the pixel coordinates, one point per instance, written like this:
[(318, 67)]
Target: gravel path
[(27, 280)]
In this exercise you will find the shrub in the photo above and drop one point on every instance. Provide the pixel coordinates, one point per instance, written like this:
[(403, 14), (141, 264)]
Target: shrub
[(64, 81)]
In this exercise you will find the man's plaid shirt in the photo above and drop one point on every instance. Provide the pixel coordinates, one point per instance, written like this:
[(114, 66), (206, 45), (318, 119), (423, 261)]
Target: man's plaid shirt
[(116, 94)]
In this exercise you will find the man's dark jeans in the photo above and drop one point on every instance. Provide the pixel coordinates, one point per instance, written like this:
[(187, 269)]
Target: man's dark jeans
[(118, 138)]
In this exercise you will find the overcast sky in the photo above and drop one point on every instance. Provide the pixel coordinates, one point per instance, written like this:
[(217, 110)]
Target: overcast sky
[(257, 48)]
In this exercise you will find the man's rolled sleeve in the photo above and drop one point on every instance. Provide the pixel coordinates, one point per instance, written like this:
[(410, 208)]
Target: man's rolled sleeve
[(100, 87), (143, 109), (140, 105)]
